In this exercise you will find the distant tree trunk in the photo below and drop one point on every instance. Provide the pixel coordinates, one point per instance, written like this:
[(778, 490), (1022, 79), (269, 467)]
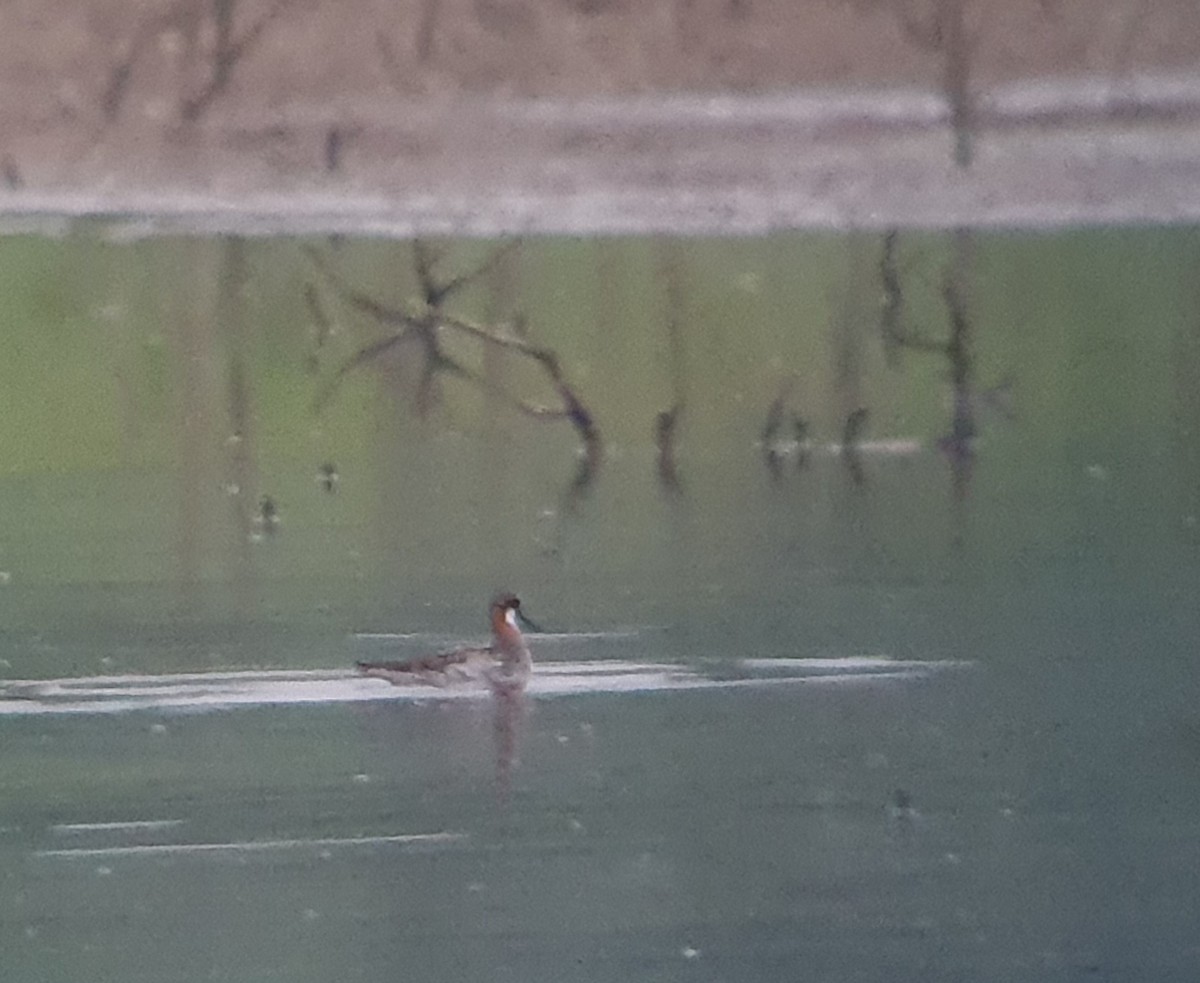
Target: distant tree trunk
[(944, 32), (956, 78), (427, 31)]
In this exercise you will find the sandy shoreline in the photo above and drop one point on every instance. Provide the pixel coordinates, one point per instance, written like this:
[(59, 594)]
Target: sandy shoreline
[(489, 117), (485, 117), (1047, 153)]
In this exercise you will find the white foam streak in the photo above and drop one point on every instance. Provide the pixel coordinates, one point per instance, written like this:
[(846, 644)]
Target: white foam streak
[(182, 692), (246, 846), (134, 825)]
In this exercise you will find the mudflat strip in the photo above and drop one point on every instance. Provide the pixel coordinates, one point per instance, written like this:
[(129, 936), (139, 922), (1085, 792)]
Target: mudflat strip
[(1046, 153)]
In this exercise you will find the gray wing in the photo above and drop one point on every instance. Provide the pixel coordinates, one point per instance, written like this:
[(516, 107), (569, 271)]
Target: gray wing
[(438, 669)]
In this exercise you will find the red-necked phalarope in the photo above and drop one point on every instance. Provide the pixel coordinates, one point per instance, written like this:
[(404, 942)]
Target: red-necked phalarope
[(504, 663)]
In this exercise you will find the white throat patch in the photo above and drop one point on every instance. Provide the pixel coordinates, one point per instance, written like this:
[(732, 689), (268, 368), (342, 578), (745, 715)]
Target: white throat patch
[(511, 617)]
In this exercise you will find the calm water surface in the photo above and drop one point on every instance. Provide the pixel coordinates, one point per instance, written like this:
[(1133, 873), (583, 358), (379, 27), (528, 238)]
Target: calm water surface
[(1027, 809)]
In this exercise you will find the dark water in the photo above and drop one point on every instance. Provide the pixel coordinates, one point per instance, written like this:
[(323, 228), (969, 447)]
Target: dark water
[(1029, 811)]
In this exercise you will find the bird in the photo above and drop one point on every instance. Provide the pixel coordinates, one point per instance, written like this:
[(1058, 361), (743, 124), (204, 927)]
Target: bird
[(504, 664)]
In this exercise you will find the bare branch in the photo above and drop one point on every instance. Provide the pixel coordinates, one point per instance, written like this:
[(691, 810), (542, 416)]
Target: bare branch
[(143, 36), (228, 51), (491, 336)]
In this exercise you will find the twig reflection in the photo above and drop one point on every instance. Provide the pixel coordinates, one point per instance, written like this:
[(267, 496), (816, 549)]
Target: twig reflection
[(775, 447), (664, 441), (856, 422)]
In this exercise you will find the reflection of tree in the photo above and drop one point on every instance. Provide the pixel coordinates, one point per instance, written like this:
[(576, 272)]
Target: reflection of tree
[(891, 319), (958, 444), (852, 433), (666, 423), (851, 311), (241, 465), (775, 446), (1186, 406), (664, 443), (198, 393), (425, 324)]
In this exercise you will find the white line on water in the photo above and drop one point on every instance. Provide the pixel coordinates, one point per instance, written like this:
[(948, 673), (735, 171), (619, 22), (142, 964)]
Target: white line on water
[(599, 667), (34, 688), (249, 845), (539, 636), (848, 663), (396, 635), (68, 829), (200, 691)]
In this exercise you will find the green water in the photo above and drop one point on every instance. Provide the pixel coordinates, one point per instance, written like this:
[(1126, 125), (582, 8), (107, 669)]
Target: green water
[(749, 834)]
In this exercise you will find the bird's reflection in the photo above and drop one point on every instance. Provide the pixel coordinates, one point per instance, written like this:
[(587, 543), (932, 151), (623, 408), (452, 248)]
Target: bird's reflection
[(958, 446), (510, 707)]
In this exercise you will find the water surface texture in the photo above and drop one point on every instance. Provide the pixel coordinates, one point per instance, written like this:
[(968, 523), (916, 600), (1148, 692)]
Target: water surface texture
[(822, 695)]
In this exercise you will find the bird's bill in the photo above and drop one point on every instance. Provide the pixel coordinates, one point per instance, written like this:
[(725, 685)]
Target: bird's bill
[(528, 622)]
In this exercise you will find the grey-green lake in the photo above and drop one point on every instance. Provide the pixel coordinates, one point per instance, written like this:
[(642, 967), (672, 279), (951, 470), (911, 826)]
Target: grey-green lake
[(914, 699)]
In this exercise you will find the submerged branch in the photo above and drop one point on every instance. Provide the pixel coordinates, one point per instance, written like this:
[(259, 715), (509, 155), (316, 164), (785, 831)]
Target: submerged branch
[(425, 328), (572, 408), (436, 293)]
